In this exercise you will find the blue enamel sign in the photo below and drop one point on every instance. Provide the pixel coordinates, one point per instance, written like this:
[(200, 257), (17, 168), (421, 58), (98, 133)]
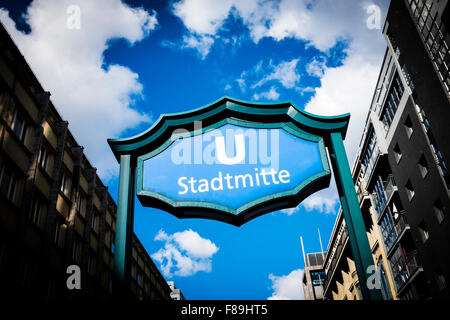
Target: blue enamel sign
[(231, 168)]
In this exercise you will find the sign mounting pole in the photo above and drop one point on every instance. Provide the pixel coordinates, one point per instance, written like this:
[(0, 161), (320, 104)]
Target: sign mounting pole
[(352, 215), (124, 223)]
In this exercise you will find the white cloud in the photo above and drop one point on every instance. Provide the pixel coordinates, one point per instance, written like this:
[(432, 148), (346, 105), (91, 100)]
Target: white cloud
[(288, 287), (272, 94), (321, 23), (285, 72), (322, 201), (96, 101), (348, 88), (202, 16), (304, 90), (290, 211), (317, 66), (202, 43), (345, 89), (195, 245), (184, 253), (241, 82)]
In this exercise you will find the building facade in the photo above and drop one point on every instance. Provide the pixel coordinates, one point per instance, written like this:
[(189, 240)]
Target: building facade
[(176, 293), (313, 276), (341, 281), (54, 209), (401, 174), (405, 149)]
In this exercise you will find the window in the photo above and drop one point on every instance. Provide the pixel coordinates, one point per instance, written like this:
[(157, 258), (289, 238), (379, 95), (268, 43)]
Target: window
[(379, 196), (19, 126), (423, 166), (80, 205), (43, 158), (399, 267), (370, 154), (423, 231), (409, 190), (35, 211), (439, 211), (385, 288), (393, 100), (409, 127), (397, 153), (433, 144), (388, 230), (7, 183), (94, 221), (433, 33), (76, 250), (63, 184)]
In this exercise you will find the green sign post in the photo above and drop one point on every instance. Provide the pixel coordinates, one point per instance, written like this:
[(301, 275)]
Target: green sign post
[(183, 166)]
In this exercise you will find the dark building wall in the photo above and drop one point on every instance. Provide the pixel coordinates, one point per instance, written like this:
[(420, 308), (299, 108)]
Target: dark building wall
[(434, 254), (446, 17), (75, 221), (429, 91), (430, 94)]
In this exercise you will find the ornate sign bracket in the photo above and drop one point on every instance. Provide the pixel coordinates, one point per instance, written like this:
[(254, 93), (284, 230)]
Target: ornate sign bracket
[(308, 133)]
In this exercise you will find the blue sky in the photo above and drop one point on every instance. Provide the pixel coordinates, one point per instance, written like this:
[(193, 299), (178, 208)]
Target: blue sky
[(114, 66)]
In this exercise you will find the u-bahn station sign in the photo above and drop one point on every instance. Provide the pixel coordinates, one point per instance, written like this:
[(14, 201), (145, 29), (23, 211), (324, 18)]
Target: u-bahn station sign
[(233, 161), (232, 171)]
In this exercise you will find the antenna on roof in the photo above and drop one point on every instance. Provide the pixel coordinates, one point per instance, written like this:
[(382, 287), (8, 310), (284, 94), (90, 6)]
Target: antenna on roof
[(303, 249), (321, 247)]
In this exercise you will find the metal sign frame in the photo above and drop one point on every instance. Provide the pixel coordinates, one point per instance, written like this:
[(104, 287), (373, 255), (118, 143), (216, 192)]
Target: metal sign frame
[(256, 208), (328, 131)]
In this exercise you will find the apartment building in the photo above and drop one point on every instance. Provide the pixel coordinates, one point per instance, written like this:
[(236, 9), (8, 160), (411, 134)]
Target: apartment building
[(401, 174), (405, 148), (176, 293), (313, 276), (341, 279), (54, 209)]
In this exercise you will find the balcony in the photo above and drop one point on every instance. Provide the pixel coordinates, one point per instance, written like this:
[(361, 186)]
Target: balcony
[(335, 258), (362, 194), (397, 233), (404, 267), (381, 203), (372, 164), (389, 188), (401, 226)]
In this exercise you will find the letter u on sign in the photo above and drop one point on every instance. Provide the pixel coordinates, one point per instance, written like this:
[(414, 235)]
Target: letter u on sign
[(240, 150)]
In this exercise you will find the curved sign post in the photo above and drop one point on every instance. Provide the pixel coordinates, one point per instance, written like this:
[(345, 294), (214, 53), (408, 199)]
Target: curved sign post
[(233, 161)]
